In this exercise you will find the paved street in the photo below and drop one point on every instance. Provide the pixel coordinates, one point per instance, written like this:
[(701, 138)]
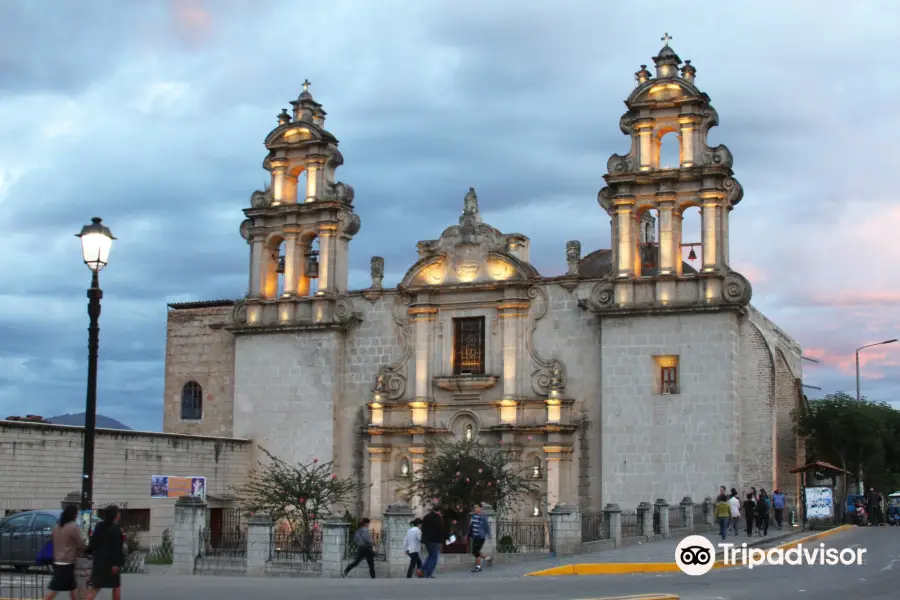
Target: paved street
[(876, 580)]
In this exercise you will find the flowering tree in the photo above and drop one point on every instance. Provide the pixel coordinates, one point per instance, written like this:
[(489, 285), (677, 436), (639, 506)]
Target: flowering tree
[(298, 495), (458, 474)]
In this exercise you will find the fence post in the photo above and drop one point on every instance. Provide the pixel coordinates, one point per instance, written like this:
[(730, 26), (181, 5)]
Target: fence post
[(490, 544), (565, 530), (397, 520), (260, 530), (687, 513), (707, 511), (334, 546), (663, 508), (612, 514), (645, 519), (190, 517)]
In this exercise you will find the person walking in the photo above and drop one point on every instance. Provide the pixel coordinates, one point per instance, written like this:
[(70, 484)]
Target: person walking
[(365, 549), (763, 505), (479, 530), (749, 513), (778, 507), (723, 515), (412, 544), (68, 545), (734, 503), (106, 548), (432, 537)]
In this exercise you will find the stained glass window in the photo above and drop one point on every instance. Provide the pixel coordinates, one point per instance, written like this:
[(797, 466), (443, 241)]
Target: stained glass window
[(468, 346)]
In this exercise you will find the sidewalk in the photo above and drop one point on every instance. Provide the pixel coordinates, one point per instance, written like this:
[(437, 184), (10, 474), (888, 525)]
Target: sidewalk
[(661, 551)]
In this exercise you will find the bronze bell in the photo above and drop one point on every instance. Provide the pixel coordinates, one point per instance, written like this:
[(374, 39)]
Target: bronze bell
[(312, 265), (692, 255), (280, 267)]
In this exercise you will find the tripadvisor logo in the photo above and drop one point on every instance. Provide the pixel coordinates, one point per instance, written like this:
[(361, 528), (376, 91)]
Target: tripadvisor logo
[(695, 555)]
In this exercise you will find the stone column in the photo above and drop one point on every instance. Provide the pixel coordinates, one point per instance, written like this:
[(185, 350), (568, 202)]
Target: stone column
[(312, 181), (260, 534), (687, 510), (327, 233), (554, 456), (423, 316), (278, 168), (334, 546), (565, 530), (663, 508), (645, 519), (687, 141), (626, 243), (644, 130), (257, 262), (190, 517), (396, 523), (291, 272), (378, 457), (612, 514), (669, 251), (710, 239), (512, 312)]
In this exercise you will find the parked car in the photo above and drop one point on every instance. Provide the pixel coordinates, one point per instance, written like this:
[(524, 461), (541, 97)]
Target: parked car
[(22, 535)]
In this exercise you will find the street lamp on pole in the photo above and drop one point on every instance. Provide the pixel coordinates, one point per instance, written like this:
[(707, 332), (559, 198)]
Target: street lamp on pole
[(859, 399), (96, 241)]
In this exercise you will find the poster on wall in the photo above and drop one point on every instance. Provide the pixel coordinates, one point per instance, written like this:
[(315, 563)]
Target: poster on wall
[(819, 503), (167, 486)]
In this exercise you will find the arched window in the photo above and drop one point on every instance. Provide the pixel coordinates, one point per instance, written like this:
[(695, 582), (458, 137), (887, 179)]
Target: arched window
[(192, 401), (669, 151)]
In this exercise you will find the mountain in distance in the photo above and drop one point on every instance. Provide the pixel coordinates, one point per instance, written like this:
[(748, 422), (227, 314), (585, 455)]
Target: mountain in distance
[(77, 420)]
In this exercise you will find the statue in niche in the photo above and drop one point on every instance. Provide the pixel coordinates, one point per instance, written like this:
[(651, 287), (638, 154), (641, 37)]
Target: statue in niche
[(470, 203), (379, 384)]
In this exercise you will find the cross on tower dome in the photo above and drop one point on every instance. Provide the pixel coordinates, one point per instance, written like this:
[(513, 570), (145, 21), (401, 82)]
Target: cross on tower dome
[(665, 39), (306, 84)]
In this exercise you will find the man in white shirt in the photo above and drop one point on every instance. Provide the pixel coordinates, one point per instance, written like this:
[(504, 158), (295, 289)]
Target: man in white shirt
[(735, 504), (412, 544)]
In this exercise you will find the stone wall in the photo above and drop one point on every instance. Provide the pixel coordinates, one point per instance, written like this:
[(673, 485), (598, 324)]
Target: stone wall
[(668, 446), (757, 416), (40, 464), (287, 386), (198, 348)]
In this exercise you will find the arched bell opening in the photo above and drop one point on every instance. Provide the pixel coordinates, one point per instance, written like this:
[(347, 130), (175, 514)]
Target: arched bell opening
[(690, 238), (272, 267), (646, 240), (668, 150), (308, 261)]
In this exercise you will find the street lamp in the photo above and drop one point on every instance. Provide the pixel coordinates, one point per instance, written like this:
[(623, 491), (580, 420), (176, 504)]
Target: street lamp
[(96, 240), (858, 399)]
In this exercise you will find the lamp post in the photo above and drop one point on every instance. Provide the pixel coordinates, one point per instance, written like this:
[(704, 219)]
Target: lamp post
[(859, 481), (96, 240)]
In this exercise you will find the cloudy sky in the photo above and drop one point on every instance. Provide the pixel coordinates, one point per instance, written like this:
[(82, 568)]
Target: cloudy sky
[(151, 114)]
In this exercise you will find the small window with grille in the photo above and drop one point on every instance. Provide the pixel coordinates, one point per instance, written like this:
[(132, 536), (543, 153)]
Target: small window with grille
[(468, 346), (669, 378), (192, 401)]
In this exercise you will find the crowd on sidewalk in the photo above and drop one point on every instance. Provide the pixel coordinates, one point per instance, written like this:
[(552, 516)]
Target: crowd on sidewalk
[(756, 510)]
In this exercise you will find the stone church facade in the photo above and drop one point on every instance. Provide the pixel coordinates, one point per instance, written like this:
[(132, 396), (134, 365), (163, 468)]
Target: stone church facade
[(630, 377)]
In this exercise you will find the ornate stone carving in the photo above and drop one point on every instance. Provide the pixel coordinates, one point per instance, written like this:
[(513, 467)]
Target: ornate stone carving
[(470, 202), (239, 313), (393, 376), (602, 295), (245, 229), (343, 309), (350, 222), (376, 268), (261, 199), (543, 368), (556, 379), (569, 284), (734, 191), (736, 289), (573, 255), (604, 199)]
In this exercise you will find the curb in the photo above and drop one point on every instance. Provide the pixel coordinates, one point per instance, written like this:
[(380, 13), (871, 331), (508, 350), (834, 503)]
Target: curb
[(667, 567)]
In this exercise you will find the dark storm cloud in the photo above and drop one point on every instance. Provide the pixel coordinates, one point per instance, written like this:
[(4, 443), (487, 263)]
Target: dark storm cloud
[(152, 115)]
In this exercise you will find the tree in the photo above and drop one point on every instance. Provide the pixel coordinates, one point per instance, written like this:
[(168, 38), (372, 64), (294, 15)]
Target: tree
[(300, 496), (852, 435), (458, 474)]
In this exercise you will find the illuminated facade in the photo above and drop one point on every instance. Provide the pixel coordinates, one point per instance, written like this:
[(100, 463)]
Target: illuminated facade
[(629, 377)]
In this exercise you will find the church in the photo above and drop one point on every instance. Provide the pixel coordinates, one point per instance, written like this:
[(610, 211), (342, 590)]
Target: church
[(638, 373)]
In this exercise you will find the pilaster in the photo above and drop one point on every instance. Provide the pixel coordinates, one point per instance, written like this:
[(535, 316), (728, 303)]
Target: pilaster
[(512, 314), (327, 233), (417, 461), (291, 232), (557, 459), (278, 177), (378, 458), (423, 317), (626, 238)]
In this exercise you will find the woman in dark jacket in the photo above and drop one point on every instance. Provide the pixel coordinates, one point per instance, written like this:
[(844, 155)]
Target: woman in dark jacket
[(109, 558)]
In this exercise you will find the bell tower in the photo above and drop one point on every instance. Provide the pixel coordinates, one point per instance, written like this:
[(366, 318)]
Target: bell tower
[(299, 227), (669, 104)]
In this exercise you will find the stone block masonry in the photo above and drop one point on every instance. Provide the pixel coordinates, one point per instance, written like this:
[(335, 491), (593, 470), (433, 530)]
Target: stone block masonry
[(40, 464)]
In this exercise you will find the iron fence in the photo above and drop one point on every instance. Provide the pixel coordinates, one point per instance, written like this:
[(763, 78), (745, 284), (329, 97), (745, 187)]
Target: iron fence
[(225, 544), (297, 547), (593, 526), (379, 539), (16, 584), (631, 527), (676, 517), (523, 536), (700, 515)]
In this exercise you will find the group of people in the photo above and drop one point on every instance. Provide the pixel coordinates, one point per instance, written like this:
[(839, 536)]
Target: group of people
[(756, 509), (429, 532), (105, 547)]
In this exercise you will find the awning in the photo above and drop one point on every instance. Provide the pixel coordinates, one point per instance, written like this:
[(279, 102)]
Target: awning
[(819, 466)]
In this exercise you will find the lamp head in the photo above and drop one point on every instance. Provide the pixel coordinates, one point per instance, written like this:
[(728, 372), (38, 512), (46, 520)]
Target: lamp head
[(96, 241)]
